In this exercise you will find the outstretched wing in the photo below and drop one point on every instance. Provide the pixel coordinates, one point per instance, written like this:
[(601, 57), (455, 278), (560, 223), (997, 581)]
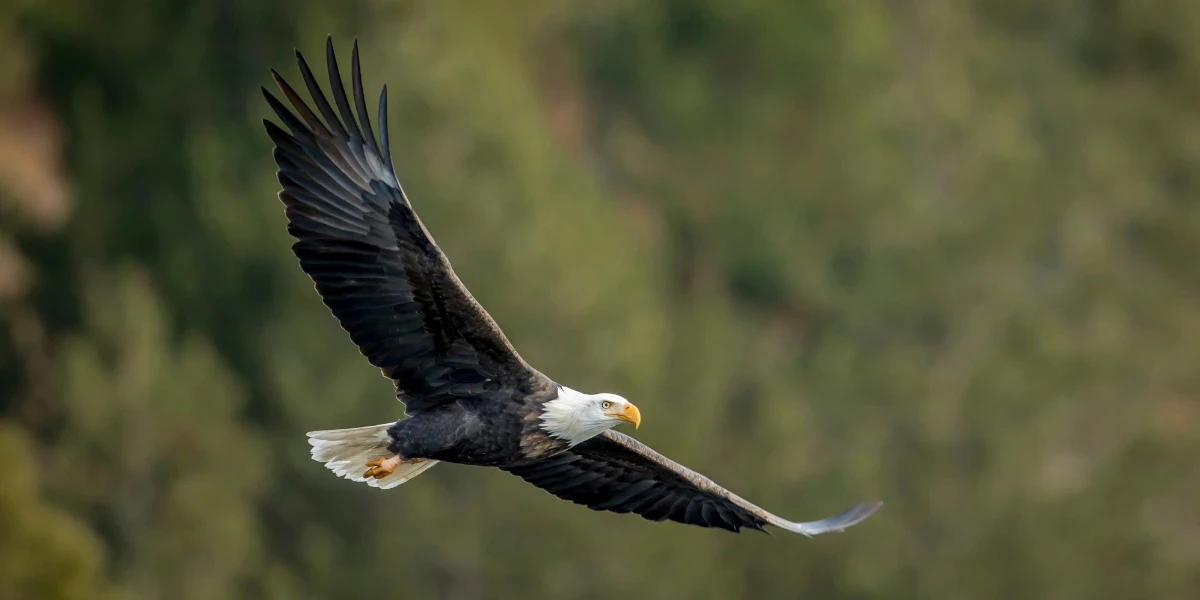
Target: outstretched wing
[(615, 472), (373, 262)]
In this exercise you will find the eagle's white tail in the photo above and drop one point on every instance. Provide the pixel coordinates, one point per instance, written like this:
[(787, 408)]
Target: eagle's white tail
[(346, 452)]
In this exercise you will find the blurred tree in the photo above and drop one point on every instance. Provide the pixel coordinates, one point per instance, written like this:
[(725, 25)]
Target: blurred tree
[(152, 449), (48, 554)]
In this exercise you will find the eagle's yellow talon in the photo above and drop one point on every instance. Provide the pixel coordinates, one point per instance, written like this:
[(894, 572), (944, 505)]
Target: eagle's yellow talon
[(381, 467)]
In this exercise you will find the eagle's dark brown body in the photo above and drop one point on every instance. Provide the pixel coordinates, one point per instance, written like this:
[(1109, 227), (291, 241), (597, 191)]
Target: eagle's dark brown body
[(482, 433)]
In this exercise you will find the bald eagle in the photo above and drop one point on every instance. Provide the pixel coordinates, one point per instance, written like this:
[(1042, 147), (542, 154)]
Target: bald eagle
[(470, 398)]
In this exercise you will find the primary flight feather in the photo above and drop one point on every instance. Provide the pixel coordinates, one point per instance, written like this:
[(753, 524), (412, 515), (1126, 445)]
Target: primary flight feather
[(470, 398)]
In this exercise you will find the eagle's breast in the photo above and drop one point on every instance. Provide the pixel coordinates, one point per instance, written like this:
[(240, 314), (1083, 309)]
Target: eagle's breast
[(536, 443)]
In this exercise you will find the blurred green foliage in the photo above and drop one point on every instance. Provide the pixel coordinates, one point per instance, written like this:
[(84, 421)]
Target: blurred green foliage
[(939, 253)]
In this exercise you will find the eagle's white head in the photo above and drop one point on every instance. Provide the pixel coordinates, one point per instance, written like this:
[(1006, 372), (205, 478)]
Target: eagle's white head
[(574, 416)]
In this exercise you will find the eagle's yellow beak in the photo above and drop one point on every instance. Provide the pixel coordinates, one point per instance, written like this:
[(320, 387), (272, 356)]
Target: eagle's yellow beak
[(630, 414)]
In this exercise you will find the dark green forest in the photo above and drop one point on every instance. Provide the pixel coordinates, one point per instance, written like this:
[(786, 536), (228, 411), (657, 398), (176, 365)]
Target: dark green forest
[(942, 254)]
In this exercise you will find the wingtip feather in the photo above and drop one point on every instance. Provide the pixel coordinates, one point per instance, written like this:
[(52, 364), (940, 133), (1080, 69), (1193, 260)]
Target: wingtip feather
[(840, 522), (360, 101), (385, 146), (338, 90)]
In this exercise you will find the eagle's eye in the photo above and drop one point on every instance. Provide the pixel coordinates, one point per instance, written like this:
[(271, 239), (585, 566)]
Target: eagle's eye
[(607, 404)]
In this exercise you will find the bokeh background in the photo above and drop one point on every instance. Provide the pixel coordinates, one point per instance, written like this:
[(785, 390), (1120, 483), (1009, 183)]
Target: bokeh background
[(941, 253)]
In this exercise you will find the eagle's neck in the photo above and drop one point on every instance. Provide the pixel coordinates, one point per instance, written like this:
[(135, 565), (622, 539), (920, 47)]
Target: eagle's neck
[(566, 418)]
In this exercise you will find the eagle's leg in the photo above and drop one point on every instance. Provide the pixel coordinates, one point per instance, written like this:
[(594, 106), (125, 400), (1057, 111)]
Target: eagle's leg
[(382, 467)]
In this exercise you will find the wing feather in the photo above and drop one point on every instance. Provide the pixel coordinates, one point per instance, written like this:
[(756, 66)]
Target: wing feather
[(373, 262), (615, 472), (360, 100)]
